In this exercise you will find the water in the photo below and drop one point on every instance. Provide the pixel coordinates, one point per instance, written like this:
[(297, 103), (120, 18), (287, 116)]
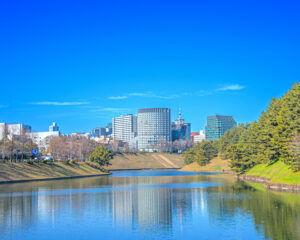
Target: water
[(147, 205)]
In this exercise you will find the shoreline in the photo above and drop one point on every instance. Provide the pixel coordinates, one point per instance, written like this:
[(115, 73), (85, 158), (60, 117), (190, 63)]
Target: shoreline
[(271, 186), (79, 176), (137, 169), (52, 179), (279, 187)]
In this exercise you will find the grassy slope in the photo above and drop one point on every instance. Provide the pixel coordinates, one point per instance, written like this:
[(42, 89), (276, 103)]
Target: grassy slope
[(279, 172), (23, 171), (121, 161), (146, 160), (215, 164)]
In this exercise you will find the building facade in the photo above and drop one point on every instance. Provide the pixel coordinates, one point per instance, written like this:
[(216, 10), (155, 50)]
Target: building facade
[(193, 134), (124, 128), (11, 130), (54, 127), (99, 132), (181, 130), (102, 131), (153, 125), (200, 137), (217, 125), (42, 139)]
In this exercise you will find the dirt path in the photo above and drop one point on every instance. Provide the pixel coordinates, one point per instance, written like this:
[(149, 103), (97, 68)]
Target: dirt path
[(165, 161)]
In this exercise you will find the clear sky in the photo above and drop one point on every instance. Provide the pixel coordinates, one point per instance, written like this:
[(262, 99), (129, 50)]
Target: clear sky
[(80, 63)]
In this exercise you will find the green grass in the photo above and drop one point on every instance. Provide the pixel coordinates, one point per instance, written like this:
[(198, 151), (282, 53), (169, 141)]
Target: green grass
[(279, 172)]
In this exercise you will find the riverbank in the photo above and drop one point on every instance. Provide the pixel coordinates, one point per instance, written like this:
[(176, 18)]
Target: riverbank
[(136, 161), (215, 165), (277, 176), (23, 172)]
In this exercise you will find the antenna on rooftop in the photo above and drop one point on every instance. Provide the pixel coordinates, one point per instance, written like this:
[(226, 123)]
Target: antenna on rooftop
[(179, 112)]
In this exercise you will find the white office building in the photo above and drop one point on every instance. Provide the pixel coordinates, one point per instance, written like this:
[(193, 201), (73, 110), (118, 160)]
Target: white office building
[(200, 138), (42, 139), (124, 128), (11, 130), (153, 124)]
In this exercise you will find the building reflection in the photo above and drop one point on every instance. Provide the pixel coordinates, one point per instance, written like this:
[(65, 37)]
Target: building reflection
[(151, 205)]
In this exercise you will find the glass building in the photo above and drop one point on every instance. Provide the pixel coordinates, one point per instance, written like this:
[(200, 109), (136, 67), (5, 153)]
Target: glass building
[(181, 130), (153, 125), (217, 125)]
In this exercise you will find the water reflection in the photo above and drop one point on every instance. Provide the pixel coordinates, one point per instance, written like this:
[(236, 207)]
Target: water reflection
[(160, 205)]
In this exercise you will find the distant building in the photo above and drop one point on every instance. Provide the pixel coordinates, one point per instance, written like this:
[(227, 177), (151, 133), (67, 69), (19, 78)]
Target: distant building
[(181, 130), (82, 135), (102, 131), (153, 125), (54, 127), (11, 130), (193, 134), (108, 129), (217, 125), (99, 132), (200, 137), (124, 127), (42, 139)]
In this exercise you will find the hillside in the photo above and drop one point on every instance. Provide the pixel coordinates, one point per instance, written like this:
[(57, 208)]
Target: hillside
[(24, 171), (278, 172), (216, 164), (146, 160)]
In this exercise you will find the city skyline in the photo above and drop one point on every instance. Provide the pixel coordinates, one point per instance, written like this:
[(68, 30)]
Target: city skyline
[(82, 64)]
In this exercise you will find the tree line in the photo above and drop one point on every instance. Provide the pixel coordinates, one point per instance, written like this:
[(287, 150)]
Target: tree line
[(273, 137), (16, 148)]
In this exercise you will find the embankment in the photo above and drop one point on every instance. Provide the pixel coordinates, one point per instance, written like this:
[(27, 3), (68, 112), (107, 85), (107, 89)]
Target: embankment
[(215, 165), (22, 172), (277, 176), (146, 161)]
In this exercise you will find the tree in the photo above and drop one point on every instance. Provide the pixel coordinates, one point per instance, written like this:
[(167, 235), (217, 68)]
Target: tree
[(271, 138), (101, 155), (295, 150), (189, 156), (201, 157)]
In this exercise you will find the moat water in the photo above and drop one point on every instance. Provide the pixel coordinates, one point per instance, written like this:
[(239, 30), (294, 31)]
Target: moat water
[(150, 204)]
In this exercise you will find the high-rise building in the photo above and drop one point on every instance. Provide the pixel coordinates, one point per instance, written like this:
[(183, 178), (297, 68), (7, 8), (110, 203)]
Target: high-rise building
[(217, 125), (124, 127), (181, 130), (153, 125)]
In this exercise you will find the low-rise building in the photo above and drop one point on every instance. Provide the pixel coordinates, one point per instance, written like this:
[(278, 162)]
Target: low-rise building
[(42, 139), (11, 130), (200, 137), (193, 134)]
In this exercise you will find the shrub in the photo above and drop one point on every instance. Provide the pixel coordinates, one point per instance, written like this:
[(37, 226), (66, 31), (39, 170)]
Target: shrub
[(66, 161)]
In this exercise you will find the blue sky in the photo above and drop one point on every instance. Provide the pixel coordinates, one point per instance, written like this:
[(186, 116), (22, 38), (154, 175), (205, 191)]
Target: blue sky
[(80, 63)]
